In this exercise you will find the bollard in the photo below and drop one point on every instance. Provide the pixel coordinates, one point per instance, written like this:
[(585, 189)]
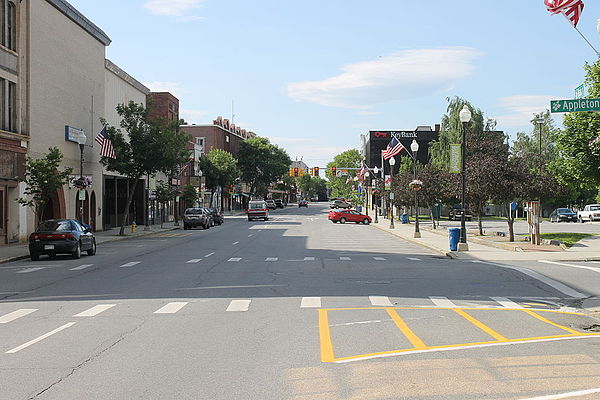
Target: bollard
[(133, 227)]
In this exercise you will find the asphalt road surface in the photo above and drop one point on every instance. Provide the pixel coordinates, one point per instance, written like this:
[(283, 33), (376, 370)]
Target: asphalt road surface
[(293, 308)]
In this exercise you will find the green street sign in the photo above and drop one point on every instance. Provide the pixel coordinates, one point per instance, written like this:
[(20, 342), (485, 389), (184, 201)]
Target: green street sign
[(455, 158), (578, 105), (580, 91)]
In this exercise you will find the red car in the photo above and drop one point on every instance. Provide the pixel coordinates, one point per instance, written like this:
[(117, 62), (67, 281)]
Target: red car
[(343, 216)]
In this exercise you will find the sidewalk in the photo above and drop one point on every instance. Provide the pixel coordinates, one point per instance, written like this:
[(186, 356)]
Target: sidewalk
[(437, 240), (19, 251)]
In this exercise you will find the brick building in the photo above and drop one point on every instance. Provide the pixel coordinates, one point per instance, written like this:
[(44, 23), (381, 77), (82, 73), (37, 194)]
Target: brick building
[(163, 106)]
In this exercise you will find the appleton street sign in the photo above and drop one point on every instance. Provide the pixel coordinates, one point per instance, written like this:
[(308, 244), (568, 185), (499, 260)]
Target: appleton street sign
[(578, 105)]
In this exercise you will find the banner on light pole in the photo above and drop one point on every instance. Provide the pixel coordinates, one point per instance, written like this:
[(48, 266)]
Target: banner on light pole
[(455, 158)]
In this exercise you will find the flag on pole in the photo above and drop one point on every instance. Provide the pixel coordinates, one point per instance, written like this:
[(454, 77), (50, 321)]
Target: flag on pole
[(394, 147), (106, 146), (571, 9), (362, 172)]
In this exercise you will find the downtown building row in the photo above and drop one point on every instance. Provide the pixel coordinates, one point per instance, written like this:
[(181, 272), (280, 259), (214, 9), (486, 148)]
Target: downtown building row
[(55, 87)]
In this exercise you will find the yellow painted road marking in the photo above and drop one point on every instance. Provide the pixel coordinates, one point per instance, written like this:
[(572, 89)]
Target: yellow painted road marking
[(499, 309), (325, 335), (410, 335), (564, 328), (480, 325)]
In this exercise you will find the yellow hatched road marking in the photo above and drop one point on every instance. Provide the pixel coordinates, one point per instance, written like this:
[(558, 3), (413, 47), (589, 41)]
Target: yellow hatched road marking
[(325, 335), (499, 309), (480, 325), (410, 335), (564, 328)]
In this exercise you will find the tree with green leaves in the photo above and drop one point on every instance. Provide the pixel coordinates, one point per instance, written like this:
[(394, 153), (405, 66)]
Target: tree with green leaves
[(164, 194), (143, 148), (190, 196), (578, 161), (261, 164), (436, 187), (42, 179), (342, 186)]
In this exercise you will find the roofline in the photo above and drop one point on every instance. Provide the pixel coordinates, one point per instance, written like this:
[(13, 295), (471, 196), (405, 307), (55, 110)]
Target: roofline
[(114, 68), (220, 127), (74, 15)]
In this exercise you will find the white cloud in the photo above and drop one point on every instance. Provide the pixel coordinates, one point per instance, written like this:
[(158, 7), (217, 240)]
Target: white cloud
[(174, 8), (518, 110), (403, 75), (193, 116), (172, 87)]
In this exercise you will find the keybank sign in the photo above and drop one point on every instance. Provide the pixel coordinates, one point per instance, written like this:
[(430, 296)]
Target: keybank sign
[(578, 105)]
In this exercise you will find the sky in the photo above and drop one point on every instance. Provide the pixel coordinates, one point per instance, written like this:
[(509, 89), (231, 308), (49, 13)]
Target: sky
[(313, 75)]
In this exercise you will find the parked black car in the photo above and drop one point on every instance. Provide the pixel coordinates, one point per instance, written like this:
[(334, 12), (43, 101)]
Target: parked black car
[(456, 214), (279, 203), (563, 214), (61, 236), (193, 217), (216, 215)]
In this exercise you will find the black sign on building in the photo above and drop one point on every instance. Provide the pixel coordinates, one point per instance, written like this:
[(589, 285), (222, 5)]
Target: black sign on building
[(376, 141)]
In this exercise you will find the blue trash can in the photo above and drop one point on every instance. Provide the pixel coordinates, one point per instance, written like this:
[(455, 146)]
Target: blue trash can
[(454, 238), (404, 218)]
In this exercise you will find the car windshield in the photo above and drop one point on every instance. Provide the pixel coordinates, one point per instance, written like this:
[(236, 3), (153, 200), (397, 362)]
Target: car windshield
[(594, 208), (193, 211), (55, 226), (257, 204), (564, 211)]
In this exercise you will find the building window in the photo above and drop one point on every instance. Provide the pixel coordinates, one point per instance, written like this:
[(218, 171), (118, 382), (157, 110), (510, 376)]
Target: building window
[(11, 28), (200, 141), (12, 107), (2, 104), (227, 139)]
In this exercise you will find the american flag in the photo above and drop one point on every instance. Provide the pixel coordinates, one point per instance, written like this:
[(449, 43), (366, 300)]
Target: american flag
[(362, 172), (394, 147), (571, 9), (106, 146)]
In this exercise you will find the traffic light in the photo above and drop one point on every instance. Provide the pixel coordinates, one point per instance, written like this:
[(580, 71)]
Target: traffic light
[(334, 171), (291, 171), (316, 171), (296, 172), (311, 171), (301, 171)]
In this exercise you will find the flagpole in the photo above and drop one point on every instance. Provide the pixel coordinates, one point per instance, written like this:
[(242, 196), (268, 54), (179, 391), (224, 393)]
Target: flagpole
[(587, 41)]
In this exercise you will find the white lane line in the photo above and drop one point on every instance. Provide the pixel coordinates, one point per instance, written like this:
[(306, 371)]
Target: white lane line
[(130, 264), (92, 312), (381, 301), (84, 266), (271, 259), (506, 303), (193, 261), (39, 339), (561, 287), (234, 243), (171, 308), (6, 318), (441, 301), (28, 270), (239, 305), (414, 258), (361, 322), (345, 259), (475, 346), (234, 259), (309, 259), (566, 395), (379, 258), (209, 254), (250, 235), (570, 265), (310, 302)]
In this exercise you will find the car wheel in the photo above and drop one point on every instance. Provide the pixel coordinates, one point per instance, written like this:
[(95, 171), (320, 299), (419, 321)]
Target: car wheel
[(77, 253), (342, 220), (366, 221), (266, 219), (34, 256), (92, 251), (580, 220)]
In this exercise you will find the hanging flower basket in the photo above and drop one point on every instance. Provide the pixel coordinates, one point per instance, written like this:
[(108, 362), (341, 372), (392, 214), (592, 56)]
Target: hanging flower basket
[(595, 146), (415, 185)]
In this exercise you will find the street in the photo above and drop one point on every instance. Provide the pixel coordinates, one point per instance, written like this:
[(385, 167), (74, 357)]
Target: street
[(293, 308)]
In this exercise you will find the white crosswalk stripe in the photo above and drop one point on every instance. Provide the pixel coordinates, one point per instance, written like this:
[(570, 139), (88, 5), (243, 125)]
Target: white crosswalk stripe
[(29, 270), (130, 264), (414, 258), (345, 259), (6, 318), (506, 303), (441, 301), (92, 312), (380, 301), (234, 259), (271, 259), (309, 259), (310, 302), (194, 261), (171, 308), (84, 266), (40, 338), (379, 258), (239, 305)]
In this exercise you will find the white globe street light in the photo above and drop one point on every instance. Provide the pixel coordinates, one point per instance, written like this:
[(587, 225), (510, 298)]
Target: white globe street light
[(414, 146), (392, 162), (465, 118)]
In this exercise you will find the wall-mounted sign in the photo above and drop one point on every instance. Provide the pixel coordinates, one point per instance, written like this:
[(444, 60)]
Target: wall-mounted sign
[(82, 195), (75, 135)]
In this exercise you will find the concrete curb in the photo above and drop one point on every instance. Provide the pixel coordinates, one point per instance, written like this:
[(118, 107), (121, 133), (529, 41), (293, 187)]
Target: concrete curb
[(449, 254), (113, 239)]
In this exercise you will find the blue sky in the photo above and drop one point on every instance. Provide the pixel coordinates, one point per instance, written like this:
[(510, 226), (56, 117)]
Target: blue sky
[(313, 75)]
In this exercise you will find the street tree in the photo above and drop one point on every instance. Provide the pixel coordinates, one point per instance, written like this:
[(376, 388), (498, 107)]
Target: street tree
[(42, 179), (164, 194), (436, 187), (143, 148), (221, 171), (189, 195), (342, 186), (261, 164)]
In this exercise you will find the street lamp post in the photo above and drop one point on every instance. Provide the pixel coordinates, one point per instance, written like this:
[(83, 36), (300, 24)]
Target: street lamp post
[(540, 121), (376, 170), (392, 163), (414, 146), (81, 140), (465, 118)]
